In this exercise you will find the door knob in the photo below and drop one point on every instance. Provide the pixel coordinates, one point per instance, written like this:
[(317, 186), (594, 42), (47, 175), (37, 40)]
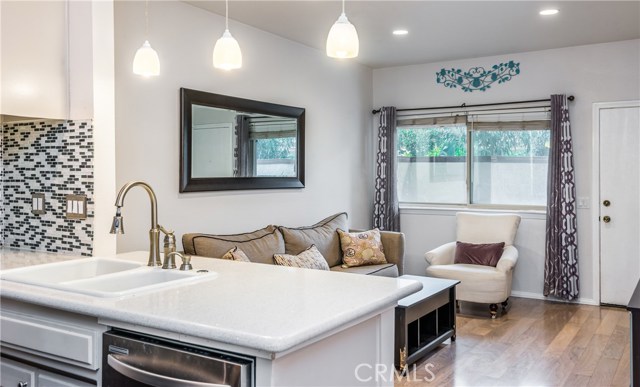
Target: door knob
[(23, 384), (606, 203), (606, 219)]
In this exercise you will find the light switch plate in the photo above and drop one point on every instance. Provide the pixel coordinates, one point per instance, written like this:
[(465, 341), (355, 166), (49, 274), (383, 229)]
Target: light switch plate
[(582, 202), (38, 204), (76, 206)]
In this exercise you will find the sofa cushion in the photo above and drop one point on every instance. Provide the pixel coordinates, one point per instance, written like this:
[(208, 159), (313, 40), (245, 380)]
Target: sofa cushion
[(486, 254), (322, 234), (235, 254), (308, 259), (384, 270), (259, 249), (361, 248), (188, 239)]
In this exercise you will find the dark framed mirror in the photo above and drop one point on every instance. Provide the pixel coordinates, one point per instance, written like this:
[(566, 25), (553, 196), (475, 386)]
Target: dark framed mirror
[(230, 143)]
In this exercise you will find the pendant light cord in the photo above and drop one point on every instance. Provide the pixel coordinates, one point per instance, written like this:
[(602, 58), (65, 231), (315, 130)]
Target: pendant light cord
[(146, 19), (343, 6), (226, 14)]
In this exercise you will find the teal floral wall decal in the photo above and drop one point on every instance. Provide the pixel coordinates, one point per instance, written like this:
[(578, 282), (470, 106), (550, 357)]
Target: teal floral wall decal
[(477, 78)]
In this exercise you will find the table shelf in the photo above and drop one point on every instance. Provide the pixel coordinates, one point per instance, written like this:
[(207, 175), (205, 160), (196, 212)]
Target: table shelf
[(424, 320)]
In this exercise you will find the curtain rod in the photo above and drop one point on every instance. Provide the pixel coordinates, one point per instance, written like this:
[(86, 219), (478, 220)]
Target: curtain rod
[(464, 105)]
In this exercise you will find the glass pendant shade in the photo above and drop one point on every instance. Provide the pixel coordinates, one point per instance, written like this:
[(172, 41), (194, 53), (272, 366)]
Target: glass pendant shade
[(226, 53), (342, 41), (146, 62)]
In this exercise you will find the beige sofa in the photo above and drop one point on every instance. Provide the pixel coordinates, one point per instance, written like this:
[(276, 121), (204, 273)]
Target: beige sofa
[(260, 245)]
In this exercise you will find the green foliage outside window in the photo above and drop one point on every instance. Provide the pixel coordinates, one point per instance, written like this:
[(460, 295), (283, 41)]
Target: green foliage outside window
[(276, 148), (452, 140), (432, 141)]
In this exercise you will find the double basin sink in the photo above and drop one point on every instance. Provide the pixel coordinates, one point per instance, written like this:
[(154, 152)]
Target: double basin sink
[(102, 277)]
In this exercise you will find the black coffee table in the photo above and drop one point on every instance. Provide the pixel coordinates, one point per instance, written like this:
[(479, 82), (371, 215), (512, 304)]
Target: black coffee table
[(424, 319)]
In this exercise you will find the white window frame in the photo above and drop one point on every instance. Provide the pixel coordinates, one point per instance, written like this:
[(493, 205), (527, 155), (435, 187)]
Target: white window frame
[(457, 115)]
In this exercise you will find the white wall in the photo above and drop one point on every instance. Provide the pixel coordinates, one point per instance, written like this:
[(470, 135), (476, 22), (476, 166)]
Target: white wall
[(593, 73), (335, 94)]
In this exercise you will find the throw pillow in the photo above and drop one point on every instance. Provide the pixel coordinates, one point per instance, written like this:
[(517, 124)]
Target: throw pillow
[(361, 248), (235, 254), (486, 254), (322, 234), (310, 258)]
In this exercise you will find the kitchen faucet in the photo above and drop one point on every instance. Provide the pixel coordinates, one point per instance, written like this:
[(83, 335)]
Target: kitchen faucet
[(117, 226)]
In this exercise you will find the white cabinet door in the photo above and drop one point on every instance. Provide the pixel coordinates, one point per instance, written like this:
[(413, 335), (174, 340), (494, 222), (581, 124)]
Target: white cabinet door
[(34, 65), (14, 374)]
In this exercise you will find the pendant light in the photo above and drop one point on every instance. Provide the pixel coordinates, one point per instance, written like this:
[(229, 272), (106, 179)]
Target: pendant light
[(342, 41), (146, 62), (226, 53)]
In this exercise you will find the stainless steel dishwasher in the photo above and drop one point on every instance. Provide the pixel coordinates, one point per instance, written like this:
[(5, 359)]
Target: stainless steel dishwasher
[(131, 359)]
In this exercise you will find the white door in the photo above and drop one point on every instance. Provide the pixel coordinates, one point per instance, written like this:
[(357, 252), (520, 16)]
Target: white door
[(619, 207)]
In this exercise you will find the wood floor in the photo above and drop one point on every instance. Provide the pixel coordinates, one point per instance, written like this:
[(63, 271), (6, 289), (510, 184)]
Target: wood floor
[(536, 343)]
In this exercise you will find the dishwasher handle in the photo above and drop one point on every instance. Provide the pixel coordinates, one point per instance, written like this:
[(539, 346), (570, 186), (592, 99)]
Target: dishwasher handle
[(147, 377)]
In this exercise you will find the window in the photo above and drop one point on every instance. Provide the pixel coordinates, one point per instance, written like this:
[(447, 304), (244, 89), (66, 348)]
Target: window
[(276, 156), (483, 159)]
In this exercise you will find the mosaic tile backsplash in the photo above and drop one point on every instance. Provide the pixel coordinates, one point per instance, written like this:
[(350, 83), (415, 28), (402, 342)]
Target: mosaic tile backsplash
[(54, 158)]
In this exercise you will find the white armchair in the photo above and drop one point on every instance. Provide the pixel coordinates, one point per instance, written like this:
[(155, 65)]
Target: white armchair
[(482, 284)]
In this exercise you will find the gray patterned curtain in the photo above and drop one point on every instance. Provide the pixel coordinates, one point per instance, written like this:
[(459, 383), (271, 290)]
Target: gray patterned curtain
[(386, 215), (241, 152), (561, 277)]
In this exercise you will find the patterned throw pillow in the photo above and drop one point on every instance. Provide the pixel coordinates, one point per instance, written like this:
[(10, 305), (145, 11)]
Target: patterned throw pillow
[(235, 254), (361, 248), (310, 258)]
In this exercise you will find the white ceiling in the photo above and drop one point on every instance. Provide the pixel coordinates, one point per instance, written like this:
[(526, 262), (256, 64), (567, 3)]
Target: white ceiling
[(441, 30)]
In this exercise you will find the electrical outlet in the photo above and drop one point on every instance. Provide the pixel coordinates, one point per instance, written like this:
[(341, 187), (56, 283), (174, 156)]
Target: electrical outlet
[(38, 204), (76, 206)]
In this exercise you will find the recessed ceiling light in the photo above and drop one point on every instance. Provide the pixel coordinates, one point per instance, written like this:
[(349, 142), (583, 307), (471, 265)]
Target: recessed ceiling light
[(547, 12), (400, 32)]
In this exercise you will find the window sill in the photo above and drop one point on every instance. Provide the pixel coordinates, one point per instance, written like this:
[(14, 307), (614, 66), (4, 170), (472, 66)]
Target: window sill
[(450, 210)]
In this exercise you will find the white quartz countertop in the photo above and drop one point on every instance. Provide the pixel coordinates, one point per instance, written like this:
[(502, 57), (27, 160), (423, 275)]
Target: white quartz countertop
[(263, 307)]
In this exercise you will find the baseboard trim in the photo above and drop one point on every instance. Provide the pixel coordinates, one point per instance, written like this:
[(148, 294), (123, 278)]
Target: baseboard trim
[(538, 296)]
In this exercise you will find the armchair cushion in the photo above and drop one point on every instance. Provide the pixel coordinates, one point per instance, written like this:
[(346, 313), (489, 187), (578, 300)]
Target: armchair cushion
[(486, 254)]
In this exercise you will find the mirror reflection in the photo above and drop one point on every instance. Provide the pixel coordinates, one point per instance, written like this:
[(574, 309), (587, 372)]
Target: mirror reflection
[(229, 143)]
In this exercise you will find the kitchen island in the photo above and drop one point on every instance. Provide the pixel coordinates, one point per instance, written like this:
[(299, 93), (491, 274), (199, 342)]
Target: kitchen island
[(303, 327)]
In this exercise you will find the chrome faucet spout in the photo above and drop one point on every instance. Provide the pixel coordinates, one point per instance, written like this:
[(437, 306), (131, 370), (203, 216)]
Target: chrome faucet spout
[(154, 232), (117, 227)]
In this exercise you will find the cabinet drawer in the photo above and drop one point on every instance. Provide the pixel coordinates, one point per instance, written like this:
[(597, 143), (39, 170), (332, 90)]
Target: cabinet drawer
[(63, 342), (13, 373), (47, 379)]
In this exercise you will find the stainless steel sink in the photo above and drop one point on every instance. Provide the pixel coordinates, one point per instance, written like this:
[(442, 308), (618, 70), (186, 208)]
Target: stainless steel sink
[(102, 277)]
